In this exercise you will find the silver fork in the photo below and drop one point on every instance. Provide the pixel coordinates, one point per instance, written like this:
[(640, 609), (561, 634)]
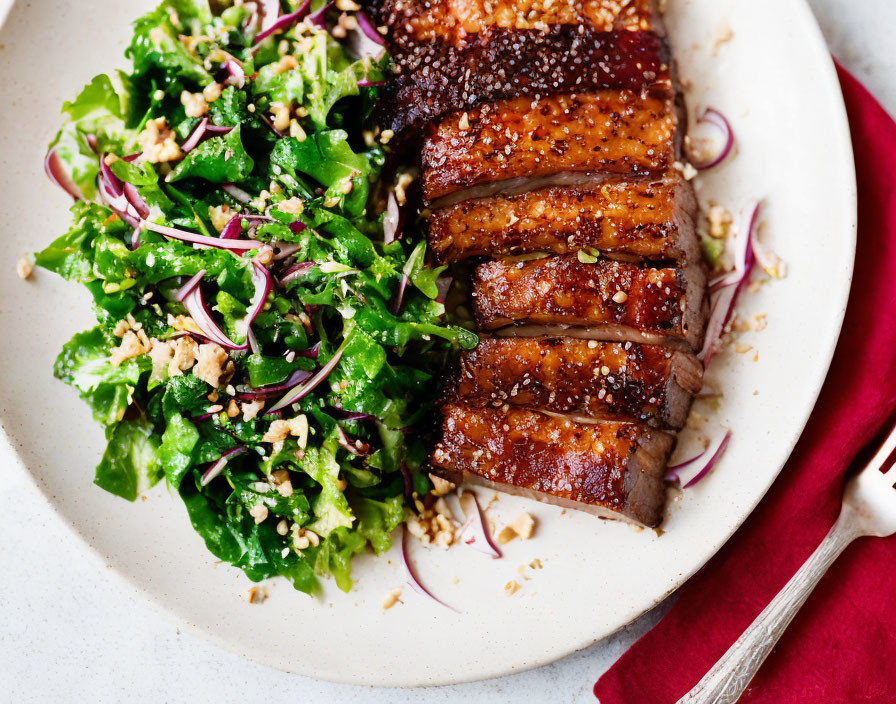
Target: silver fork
[(869, 508)]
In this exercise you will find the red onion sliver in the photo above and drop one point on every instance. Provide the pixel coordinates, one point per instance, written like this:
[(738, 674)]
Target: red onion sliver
[(136, 200), (727, 288), (317, 17), (357, 447), (307, 388), (443, 284), (295, 271), (714, 117), (269, 10), (57, 174), (237, 245), (362, 46), (392, 219), (283, 22), (215, 468), (367, 27), (188, 287), (237, 193), (399, 297), (236, 76), (703, 462), (285, 250), (195, 136), (410, 574), (480, 539), (366, 83), (311, 352), (194, 302), (293, 380), (263, 281)]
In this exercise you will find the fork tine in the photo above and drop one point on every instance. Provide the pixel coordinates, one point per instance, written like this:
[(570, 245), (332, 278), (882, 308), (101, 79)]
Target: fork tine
[(883, 460)]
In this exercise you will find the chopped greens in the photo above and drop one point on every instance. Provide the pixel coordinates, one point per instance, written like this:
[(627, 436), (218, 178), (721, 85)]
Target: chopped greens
[(213, 134)]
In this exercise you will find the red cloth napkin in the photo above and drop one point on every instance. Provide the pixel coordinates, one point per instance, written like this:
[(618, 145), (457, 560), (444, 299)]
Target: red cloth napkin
[(842, 645)]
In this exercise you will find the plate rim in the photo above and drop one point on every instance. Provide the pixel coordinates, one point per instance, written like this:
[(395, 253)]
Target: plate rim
[(816, 43)]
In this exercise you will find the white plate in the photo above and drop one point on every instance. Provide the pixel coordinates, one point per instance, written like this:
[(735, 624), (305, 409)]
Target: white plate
[(776, 82)]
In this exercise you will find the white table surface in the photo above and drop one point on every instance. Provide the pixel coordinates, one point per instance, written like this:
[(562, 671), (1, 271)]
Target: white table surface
[(70, 633)]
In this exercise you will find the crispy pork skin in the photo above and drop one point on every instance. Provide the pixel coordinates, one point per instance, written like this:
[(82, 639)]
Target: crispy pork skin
[(610, 131), (450, 54), (646, 218), (614, 470), (651, 303), (600, 380)]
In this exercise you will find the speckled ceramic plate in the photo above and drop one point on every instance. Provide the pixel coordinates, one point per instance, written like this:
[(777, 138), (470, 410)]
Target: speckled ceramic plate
[(773, 78)]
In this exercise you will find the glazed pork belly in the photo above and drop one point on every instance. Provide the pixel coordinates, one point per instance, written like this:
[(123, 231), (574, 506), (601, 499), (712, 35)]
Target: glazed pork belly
[(628, 301), (450, 54), (581, 378), (535, 140), (648, 218), (609, 469)]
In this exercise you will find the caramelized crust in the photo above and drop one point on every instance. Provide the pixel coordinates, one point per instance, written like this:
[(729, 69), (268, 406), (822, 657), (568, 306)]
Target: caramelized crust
[(651, 219), (616, 132), (651, 302), (600, 380), (610, 469), (450, 54)]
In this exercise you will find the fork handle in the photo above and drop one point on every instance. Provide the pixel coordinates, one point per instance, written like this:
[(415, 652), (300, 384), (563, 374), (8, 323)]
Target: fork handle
[(729, 677)]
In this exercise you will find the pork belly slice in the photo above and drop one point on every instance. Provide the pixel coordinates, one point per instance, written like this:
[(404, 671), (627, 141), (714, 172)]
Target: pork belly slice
[(629, 301), (613, 470), (609, 131), (581, 378), (647, 218)]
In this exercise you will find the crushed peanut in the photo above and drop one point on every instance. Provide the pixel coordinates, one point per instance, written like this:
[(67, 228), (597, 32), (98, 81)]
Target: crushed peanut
[(157, 142), (259, 512), (211, 363), (511, 587), (391, 598), (24, 267)]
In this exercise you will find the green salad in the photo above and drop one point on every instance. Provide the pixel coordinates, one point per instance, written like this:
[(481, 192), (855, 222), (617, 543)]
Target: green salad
[(267, 340)]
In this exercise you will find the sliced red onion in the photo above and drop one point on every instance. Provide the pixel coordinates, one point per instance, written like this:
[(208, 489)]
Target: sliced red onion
[(317, 17), (269, 11), (727, 287), (135, 199), (236, 75), (259, 392), (408, 482), (295, 271), (218, 129), (717, 119), (195, 304), (263, 282), (237, 193), (302, 391), (282, 23), (188, 287), (479, 539), (410, 574), (285, 250), (443, 284), (57, 174), (701, 464), (112, 191), (195, 136), (399, 297), (234, 227), (253, 342), (311, 352), (367, 83), (215, 468), (363, 46), (367, 27), (392, 219), (219, 242), (352, 415), (354, 447)]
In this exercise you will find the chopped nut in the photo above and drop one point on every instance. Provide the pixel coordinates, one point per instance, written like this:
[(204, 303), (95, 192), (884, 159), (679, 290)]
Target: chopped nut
[(506, 535), (285, 489), (282, 429), (157, 142), (233, 409), (254, 596), (194, 103), (441, 486), (212, 92), (511, 587), (220, 215), (259, 512), (292, 206), (405, 179), (211, 363), (286, 63), (251, 409), (121, 327), (132, 345), (347, 6), (282, 527), (161, 355), (522, 527), (24, 267), (385, 136), (620, 297), (280, 113), (185, 352), (535, 564), (391, 598)]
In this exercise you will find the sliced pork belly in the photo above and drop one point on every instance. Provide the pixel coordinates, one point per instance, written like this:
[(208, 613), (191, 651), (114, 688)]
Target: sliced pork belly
[(450, 54), (613, 470), (600, 380), (630, 301), (647, 218), (617, 132)]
